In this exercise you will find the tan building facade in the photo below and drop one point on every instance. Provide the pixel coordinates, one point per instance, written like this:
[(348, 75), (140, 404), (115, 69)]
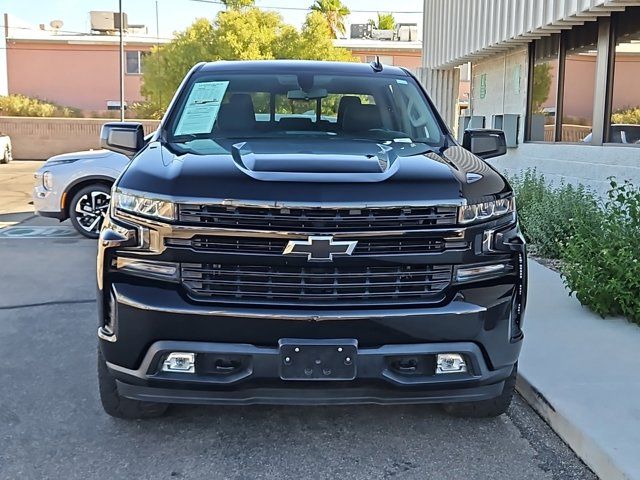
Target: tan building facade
[(559, 76)]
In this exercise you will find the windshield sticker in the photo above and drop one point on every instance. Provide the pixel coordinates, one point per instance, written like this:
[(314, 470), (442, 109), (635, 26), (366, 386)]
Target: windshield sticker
[(401, 82), (202, 107)]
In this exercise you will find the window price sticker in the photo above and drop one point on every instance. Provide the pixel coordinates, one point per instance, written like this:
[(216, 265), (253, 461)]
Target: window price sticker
[(202, 107)]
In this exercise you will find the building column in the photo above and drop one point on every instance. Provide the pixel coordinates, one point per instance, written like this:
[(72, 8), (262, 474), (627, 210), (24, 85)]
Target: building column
[(4, 71), (443, 86)]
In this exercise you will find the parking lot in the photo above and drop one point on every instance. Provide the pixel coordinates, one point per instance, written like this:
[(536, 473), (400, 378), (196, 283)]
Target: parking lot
[(52, 424)]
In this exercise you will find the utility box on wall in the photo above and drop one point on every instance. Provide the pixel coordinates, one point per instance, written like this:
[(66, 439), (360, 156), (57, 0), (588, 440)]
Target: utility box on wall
[(510, 124), (466, 122)]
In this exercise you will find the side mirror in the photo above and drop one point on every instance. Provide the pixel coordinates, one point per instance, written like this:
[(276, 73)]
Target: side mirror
[(122, 137), (485, 143)]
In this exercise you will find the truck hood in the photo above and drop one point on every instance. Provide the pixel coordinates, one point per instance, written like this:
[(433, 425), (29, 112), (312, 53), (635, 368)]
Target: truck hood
[(341, 172)]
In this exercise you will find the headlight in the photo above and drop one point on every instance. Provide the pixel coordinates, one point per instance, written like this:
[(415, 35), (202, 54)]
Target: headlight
[(143, 206), (482, 212), (47, 180)]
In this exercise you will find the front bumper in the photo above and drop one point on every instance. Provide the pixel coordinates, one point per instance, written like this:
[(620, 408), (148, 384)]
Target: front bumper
[(143, 319), (146, 317), (256, 380), (47, 203)]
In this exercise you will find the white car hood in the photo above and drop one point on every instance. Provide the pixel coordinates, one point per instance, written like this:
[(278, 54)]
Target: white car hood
[(86, 155)]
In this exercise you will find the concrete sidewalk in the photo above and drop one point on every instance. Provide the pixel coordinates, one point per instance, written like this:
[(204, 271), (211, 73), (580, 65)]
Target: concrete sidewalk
[(582, 374)]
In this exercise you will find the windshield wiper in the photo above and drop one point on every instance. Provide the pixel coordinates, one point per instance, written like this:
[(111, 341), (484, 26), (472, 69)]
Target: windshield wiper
[(188, 137)]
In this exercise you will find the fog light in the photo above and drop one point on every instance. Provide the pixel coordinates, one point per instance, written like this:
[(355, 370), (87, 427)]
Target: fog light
[(450, 363), (180, 362)]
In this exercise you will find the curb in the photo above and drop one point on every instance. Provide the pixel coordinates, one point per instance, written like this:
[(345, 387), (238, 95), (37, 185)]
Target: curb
[(584, 446)]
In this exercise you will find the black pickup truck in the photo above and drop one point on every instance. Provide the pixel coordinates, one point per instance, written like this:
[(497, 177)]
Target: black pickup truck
[(308, 233)]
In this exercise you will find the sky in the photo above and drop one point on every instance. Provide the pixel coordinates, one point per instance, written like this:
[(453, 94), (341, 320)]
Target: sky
[(178, 14)]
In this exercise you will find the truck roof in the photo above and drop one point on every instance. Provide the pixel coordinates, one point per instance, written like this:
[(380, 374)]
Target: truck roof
[(280, 66)]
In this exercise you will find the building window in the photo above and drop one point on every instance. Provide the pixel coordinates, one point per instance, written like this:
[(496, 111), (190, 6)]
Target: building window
[(133, 64), (544, 89), (564, 71), (625, 97), (578, 88), (384, 59)]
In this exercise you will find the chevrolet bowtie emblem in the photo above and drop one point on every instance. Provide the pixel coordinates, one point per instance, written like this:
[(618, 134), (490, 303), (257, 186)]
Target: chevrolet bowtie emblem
[(319, 249)]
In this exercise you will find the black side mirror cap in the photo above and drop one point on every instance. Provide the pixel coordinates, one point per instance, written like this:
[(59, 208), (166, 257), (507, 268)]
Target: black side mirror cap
[(485, 143), (122, 137)]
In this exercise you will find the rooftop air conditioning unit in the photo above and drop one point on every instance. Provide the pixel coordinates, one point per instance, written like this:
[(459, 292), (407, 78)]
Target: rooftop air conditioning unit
[(106, 22), (361, 30), (407, 32), (382, 34)]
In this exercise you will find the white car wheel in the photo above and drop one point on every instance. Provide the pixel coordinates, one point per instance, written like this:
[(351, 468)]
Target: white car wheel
[(88, 209)]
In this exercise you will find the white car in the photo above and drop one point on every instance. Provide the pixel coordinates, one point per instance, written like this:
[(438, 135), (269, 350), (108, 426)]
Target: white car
[(78, 186), (5, 148)]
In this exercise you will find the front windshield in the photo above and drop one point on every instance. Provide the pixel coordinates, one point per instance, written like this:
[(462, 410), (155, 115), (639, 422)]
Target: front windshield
[(303, 107)]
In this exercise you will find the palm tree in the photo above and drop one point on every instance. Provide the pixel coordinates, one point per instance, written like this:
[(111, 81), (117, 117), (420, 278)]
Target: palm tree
[(335, 12), (386, 21)]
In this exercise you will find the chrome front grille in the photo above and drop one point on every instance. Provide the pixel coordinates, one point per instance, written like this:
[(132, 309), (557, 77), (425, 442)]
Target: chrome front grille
[(316, 286), (392, 245), (317, 219)]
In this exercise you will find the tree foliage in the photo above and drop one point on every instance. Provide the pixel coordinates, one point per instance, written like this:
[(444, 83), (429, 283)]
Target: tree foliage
[(238, 4), (236, 34), (629, 115), (334, 12), (541, 86), (386, 21)]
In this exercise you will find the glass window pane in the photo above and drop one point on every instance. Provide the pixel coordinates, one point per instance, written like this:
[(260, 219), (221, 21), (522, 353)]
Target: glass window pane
[(544, 88), (625, 108), (579, 82), (132, 63)]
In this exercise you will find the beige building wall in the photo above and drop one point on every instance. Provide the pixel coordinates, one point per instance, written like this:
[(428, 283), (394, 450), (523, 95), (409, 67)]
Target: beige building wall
[(41, 138)]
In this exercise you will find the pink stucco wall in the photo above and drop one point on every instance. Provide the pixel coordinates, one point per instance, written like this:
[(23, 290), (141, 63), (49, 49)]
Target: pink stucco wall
[(80, 76), (580, 84), (401, 58)]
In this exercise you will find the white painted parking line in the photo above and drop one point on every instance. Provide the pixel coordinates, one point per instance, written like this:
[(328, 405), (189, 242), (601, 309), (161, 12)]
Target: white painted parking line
[(38, 232)]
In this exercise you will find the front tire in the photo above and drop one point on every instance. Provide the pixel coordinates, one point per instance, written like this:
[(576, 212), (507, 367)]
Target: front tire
[(88, 208), (121, 407), (486, 408)]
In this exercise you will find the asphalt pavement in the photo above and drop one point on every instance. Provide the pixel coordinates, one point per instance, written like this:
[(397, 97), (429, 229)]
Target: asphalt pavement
[(52, 425)]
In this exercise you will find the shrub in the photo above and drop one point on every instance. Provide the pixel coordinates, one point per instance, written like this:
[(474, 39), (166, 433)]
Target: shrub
[(601, 259), (627, 115), (146, 111), (23, 106), (546, 212)]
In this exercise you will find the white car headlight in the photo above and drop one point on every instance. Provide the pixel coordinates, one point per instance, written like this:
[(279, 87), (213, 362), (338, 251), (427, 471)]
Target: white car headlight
[(482, 212), (143, 206), (47, 180)]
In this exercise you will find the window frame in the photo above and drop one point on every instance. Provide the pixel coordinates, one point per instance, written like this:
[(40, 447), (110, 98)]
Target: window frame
[(140, 54), (603, 86)]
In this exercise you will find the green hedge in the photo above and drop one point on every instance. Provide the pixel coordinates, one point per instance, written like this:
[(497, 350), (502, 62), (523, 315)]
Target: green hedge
[(597, 242), (546, 212), (22, 106)]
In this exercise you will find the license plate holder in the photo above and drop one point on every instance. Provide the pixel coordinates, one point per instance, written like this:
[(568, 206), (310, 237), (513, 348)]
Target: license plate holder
[(316, 360)]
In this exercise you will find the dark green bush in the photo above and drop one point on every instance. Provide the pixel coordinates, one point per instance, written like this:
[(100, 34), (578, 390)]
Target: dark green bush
[(598, 243), (601, 261), (546, 212)]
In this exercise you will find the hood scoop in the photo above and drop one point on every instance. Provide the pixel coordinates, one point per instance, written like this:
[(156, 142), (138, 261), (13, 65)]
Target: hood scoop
[(315, 167)]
